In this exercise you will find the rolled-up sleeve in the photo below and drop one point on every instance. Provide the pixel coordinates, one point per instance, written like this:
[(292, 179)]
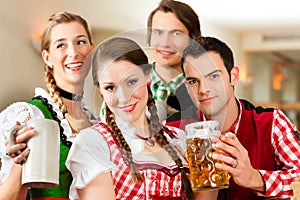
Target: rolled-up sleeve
[(286, 143)]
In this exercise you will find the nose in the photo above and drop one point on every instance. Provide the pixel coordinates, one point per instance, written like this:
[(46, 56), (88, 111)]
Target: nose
[(123, 94), (72, 50), (203, 88), (165, 39)]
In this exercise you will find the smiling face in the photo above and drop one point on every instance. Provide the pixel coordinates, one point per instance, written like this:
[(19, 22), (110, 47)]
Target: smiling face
[(124, 89), (169, 37), (69, 47), (209, 84)]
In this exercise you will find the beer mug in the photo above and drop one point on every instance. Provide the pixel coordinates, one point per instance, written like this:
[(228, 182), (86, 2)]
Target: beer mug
[(41, 168), (203, 174)]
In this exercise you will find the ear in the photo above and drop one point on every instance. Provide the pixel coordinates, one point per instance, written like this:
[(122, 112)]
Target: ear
[(46, 58), (234, 75)]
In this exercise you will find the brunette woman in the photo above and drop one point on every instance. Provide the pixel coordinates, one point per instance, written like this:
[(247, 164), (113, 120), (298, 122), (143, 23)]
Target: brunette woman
[(131, 155)]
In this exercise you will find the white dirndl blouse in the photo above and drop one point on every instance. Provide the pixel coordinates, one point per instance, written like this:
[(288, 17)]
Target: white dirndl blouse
[(92, 154)]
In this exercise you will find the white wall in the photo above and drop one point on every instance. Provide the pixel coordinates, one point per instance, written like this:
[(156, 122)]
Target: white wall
[(21, 67)]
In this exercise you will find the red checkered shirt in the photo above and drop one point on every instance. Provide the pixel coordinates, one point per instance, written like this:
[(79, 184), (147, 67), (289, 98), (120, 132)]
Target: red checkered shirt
[(272, 142), (286, 146), (287, 155)]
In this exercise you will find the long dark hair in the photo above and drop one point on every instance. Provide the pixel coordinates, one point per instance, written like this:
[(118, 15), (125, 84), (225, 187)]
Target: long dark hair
[(116, 49)]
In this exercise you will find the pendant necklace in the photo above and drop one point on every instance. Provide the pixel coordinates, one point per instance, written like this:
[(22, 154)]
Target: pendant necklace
[(149, 141)]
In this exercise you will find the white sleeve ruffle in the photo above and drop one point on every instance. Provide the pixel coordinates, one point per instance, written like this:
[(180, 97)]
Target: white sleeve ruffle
[(7, 164), (89, 156), (21, 112)]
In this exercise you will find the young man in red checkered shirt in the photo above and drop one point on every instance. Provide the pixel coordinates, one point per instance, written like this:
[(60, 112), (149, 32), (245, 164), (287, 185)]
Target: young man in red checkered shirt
[(260, 147)]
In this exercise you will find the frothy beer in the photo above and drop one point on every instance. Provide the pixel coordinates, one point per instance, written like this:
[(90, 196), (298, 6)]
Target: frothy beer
[(203, 174)]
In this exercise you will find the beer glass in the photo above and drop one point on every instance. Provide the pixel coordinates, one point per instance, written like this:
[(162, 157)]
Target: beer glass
[(203, 174), (41, 169)]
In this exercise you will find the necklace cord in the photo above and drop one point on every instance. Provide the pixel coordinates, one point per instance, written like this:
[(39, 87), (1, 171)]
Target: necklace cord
[(148, 140)]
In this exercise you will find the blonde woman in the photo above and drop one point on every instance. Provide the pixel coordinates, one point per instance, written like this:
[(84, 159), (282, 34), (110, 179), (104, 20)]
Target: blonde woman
[(66, 45)]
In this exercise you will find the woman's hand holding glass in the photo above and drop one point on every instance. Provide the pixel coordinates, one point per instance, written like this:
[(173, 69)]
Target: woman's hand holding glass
[(19, 151)]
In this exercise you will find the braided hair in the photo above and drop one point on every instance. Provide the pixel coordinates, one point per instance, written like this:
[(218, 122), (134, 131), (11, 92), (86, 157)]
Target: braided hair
[(55, 19), (117, 49)]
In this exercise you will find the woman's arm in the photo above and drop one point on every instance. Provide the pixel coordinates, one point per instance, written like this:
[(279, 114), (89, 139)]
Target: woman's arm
[(12, 188), (101, 186)]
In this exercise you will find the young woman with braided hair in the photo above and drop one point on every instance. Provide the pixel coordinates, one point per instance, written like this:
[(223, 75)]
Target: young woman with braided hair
[(130, 155), (66, 44)]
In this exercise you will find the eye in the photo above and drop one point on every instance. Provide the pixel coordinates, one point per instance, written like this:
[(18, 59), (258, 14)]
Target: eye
[(156, 32), (109, 88), (60, 45), (132, 82), (215, 76), (81, 42), (176, 33), (192, 82)]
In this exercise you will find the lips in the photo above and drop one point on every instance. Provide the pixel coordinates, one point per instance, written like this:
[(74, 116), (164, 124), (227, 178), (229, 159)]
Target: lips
[(74, 66), (128, 108), (166, 53), (206, 100)]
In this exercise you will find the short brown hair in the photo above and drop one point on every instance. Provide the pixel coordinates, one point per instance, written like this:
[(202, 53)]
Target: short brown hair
[(184, 13)]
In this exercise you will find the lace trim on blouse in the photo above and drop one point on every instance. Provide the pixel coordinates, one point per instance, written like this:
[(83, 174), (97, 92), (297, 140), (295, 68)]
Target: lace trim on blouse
[(23, 112)]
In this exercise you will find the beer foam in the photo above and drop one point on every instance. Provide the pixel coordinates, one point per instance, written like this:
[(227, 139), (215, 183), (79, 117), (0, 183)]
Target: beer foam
[(204, 129), (198, 133)]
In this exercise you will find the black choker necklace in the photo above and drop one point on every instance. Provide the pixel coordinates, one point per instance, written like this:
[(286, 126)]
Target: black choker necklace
[(70, 96)]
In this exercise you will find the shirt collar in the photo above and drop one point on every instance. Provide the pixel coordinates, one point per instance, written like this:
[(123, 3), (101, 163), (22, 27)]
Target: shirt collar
[(235, 126), (173, 84)]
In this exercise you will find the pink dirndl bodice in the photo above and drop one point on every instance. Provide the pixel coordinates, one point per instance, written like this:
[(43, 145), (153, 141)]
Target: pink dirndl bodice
[(160, 182)]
